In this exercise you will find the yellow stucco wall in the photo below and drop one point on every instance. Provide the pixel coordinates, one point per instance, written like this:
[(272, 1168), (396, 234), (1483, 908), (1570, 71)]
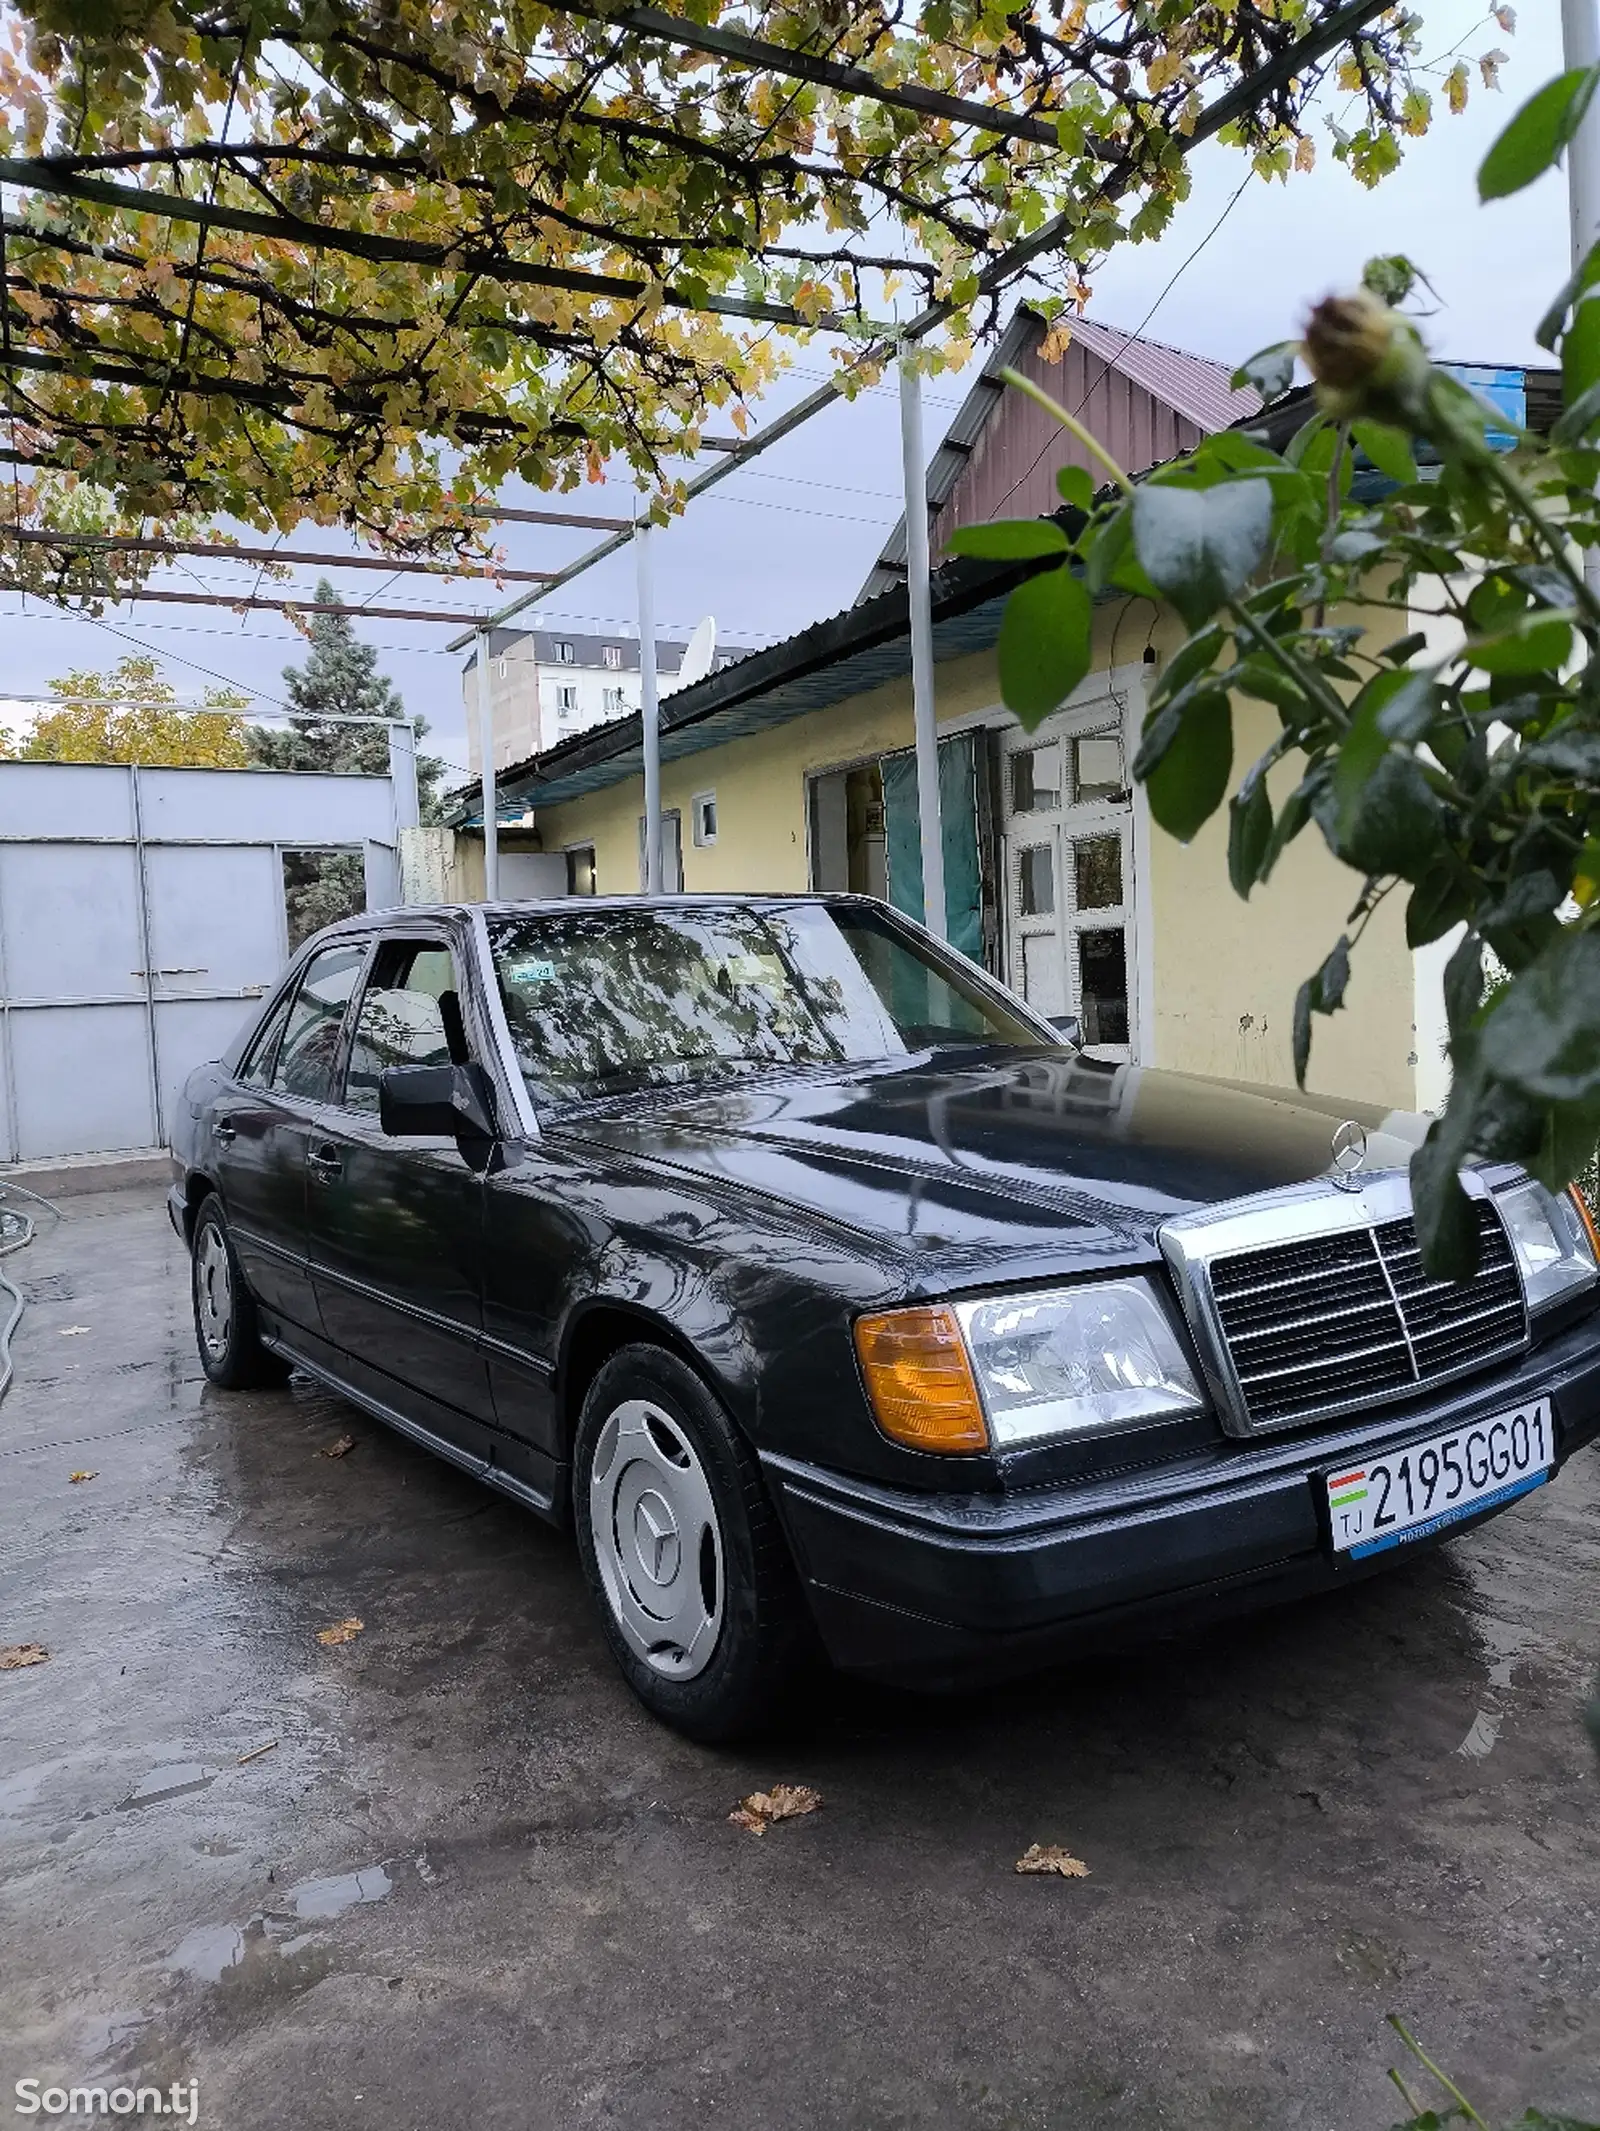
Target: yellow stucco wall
[(1225, 972)]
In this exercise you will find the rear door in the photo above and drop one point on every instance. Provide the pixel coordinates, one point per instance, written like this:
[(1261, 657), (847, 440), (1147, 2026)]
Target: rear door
[(262, 1124), (396, 1225)]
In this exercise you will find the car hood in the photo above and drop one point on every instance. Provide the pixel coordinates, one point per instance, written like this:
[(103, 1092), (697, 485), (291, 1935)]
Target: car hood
[(1036, 1152)]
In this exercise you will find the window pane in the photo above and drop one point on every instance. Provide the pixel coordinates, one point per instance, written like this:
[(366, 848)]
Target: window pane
[(1036, 889), (311, 1041), (616, 1000), (1097, 767), (1097, 870), (258, 1068), (1103, 986), (400, 1021), (1036, 781)]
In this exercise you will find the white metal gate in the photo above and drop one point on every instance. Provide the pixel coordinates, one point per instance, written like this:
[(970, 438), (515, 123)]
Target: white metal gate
[(141, 911)]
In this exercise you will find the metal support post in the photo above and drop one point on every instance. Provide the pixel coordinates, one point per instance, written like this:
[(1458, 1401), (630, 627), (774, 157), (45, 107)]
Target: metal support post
[(649, 708), (920, 596), (491, 819), (1580, 37)]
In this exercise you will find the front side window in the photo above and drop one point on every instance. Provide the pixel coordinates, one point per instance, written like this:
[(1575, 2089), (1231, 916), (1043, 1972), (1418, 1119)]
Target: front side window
[(310, 1047), (601, 1003), (412, 998)]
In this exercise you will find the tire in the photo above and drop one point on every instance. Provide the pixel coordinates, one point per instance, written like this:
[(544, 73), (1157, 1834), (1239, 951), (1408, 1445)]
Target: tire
[(691, 1575), (226, 1329)]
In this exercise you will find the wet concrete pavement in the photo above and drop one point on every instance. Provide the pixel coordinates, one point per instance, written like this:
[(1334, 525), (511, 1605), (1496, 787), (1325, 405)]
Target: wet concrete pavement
[(471, 1884)]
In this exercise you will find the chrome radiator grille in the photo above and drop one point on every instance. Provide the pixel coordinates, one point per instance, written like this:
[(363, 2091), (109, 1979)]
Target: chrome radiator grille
[(1338, 1320)]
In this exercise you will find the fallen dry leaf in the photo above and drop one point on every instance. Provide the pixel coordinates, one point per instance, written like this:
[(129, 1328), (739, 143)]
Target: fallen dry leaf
[(785, 1801), (71, 1331), (256, 1752), (342, 1631), (78, 1477), (341, 1449), (15, 1655), (1045, 1857)]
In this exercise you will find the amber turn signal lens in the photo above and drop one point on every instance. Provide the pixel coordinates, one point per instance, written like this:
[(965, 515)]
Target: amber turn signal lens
[(920, 1380), (1586, 1215)]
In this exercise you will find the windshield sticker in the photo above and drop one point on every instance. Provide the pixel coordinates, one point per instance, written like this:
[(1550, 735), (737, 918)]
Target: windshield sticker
[(529, 972)]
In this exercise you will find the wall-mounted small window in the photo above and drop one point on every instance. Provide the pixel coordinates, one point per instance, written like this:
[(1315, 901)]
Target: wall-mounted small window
[(567, 653), (612, 655), (566, 700), (704, 815)]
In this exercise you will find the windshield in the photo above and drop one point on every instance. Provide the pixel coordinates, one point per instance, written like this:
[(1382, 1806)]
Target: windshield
[(604, 1001)]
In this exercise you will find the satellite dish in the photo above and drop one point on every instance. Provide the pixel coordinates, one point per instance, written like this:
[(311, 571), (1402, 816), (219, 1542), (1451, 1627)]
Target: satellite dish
[(699, 656)]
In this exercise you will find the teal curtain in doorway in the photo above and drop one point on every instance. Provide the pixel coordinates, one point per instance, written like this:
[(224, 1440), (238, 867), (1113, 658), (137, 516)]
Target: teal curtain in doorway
[(958, 812)]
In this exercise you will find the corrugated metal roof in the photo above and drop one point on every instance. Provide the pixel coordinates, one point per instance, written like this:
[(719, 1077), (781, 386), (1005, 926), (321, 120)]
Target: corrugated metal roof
[(1193, 384), (827, 663)]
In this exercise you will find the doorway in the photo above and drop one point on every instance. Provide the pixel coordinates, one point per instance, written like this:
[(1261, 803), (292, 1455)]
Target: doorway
[(1070, 888)]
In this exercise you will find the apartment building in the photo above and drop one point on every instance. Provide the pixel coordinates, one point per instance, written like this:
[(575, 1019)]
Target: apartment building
[(545, 685)]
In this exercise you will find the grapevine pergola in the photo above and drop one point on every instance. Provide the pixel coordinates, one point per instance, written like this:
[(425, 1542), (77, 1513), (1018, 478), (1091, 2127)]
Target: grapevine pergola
[(359, 261)]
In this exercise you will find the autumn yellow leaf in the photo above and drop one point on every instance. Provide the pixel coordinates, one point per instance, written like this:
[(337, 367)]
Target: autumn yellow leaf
[(15, 1656), (1044, 1858), (785, 1801), (342, 1631)]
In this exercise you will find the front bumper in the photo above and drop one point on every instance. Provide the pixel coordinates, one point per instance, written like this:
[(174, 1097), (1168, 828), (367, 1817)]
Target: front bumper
[(940, 1589)]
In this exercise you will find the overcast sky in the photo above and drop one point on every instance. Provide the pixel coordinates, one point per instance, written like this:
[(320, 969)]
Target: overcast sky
[(790, 539)]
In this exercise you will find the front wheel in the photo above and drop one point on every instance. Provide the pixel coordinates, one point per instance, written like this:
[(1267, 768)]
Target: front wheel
[(681, 1549), (225, 1325)]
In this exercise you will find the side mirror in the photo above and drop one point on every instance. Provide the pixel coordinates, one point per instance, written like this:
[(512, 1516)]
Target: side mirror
[(1070, 1029), (455, 1100)]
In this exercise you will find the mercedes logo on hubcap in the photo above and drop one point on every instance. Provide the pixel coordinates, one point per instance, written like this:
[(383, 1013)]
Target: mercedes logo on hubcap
[(1349, 1152), (655, 1533)]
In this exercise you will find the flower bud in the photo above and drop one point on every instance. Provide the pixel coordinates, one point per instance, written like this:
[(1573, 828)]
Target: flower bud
[(1365, 358)]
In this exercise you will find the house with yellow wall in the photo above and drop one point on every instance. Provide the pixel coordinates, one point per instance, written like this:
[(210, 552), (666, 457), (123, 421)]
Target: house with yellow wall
[(792, 770)]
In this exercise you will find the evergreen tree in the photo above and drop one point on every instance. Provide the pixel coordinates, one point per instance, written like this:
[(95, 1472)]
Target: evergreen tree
[(340, 679)]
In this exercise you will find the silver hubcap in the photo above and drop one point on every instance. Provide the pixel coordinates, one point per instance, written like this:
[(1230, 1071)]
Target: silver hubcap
[(213, 1291), (656, 1539)]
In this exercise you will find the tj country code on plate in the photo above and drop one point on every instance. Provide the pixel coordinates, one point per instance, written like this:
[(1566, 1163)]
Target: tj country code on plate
[(1410, 1493)]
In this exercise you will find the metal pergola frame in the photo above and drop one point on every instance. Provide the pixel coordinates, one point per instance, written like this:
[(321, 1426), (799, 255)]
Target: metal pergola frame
[(897, 344)]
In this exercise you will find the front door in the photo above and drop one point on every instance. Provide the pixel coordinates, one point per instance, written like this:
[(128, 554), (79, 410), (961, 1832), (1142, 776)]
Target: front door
[(1068, 845), (396, 1225)]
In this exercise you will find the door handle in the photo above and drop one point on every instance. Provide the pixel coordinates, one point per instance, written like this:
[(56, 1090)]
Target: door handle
[(325, 1163), (226, 1130)]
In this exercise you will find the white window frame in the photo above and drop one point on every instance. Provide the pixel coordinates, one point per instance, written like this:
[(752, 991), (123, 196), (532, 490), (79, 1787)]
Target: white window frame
[(703, 842)]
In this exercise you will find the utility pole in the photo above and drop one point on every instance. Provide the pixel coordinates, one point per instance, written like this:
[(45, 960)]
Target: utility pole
[(649, 707), (491, 818), (919, 594)]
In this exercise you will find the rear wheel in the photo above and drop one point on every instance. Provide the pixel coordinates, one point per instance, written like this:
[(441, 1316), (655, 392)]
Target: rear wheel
[(684, 1556), (226, 1328)]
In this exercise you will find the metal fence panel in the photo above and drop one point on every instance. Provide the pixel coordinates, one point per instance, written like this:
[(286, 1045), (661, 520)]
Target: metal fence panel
[(81, 1080)]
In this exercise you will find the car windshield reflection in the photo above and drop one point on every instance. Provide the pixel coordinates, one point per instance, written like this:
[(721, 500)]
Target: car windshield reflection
[(603, 1003)]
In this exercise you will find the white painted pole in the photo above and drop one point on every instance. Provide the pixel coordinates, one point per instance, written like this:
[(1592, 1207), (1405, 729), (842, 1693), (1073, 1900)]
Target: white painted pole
[(920, 596), (649, 708), (491, 818), (1580, 38)]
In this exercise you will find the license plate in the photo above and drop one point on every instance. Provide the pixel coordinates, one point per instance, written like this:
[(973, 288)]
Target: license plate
[(1410, 1493)]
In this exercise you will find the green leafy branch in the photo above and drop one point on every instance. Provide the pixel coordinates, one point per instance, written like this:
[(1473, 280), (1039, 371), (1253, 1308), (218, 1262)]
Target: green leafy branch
[(1468, 776)]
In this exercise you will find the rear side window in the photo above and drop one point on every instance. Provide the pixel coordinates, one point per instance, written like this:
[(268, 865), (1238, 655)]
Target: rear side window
[(411, 1001), (310, 1047), (256, 1072)]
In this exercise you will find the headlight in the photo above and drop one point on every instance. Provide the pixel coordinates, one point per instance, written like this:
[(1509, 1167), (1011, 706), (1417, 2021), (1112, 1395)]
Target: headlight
[(1076, 1361), (1552, 1243)]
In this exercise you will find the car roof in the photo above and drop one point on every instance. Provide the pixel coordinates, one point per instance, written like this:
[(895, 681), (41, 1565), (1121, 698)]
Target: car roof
[(402, 914)]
